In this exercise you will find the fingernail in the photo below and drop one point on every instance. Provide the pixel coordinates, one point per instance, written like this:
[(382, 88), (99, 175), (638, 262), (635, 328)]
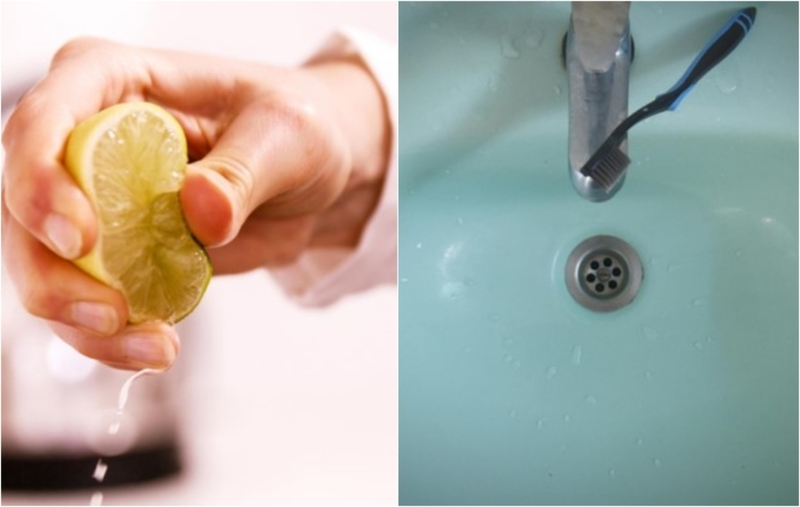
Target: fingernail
[(149, 350), (98, 317), (65, 237)]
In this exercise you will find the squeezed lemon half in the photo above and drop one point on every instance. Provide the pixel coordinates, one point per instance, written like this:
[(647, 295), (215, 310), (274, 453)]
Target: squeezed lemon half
[(130, 161)]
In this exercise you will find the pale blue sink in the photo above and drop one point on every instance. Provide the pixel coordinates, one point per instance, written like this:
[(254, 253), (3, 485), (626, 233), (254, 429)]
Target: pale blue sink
[(511, 392)]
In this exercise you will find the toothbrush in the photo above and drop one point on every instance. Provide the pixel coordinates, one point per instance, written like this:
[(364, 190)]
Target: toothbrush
[(609, 163)]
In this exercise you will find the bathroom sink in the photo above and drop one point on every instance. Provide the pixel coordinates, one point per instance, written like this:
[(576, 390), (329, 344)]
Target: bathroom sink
[(513, 393)]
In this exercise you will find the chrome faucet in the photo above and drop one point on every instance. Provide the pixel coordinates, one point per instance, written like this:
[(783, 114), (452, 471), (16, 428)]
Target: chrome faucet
[(598, 57)]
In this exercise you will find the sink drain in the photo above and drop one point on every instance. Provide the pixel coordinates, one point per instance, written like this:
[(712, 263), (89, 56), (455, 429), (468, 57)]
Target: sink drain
[(604, 273)]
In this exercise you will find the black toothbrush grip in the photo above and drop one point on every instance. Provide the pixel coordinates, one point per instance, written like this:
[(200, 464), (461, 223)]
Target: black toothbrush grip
[(719, 47)]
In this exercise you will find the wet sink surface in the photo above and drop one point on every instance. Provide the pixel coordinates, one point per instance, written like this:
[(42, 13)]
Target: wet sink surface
[(510, 392)]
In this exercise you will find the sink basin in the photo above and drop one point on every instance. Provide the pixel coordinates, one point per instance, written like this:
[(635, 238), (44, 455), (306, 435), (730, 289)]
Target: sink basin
[(513, 393)]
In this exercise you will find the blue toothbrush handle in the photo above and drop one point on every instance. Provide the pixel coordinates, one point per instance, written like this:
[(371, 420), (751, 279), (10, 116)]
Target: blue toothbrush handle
[(719, 47), (608, 162), (714, 52)]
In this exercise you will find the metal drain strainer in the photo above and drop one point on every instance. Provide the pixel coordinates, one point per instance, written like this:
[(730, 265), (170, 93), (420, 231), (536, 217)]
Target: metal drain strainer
[(604, 273)]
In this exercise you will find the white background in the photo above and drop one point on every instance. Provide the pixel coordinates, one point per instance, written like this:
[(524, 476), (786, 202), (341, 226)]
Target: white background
[(280, 404)]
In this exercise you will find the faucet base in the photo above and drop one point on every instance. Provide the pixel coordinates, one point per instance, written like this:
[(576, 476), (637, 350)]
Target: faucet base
[(564, 50)]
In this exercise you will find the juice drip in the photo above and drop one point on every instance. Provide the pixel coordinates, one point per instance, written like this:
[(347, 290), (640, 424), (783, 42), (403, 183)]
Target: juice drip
[(101, 468)]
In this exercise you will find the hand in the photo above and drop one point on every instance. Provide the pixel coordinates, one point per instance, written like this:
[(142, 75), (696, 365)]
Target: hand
[(281, 160)]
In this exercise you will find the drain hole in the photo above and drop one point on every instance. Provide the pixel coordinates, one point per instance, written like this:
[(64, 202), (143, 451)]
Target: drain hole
[(603, 273)]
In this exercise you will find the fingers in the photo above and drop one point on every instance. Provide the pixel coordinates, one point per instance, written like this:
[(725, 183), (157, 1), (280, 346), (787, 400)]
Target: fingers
[(86, 76), (45, 199), (149, 345), (55, 289), (279, 151), (85, 313)]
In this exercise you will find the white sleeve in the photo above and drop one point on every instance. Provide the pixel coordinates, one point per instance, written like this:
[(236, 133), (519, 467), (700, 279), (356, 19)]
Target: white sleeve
[(323, 275)]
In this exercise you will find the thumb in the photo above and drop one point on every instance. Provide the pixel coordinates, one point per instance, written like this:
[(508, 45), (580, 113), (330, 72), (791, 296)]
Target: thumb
[(246, 166), (214, 207), (276, 154)]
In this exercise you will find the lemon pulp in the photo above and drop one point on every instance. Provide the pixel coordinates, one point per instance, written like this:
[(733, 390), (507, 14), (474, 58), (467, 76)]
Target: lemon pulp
[(130, 161)]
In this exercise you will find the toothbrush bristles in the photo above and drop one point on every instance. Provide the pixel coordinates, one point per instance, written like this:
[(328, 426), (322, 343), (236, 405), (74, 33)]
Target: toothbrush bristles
[(610, 168)]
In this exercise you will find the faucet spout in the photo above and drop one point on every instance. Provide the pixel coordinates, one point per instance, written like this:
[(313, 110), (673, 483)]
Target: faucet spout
[(598, 57)]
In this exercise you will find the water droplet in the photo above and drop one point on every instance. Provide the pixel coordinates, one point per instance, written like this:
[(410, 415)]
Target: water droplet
[(493, 317), (534, 37), (452, 290), (648, 375), (111, 133), (557, 89), (700, 301), (650, 334), (698, 345), (656, 462), (709, 338), (612, 473), (494, 83), (404, 280), (577, 352), (591, 400), (508, 358), (639, 441), (739, 253), (567, 418), (512, 413), (654, 260), (674, 267), (419, 245), (508, 341), (726, 77), (517, 363), (460, 221), (551, 372), (467, 350), (509, 51), (97, 498)]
